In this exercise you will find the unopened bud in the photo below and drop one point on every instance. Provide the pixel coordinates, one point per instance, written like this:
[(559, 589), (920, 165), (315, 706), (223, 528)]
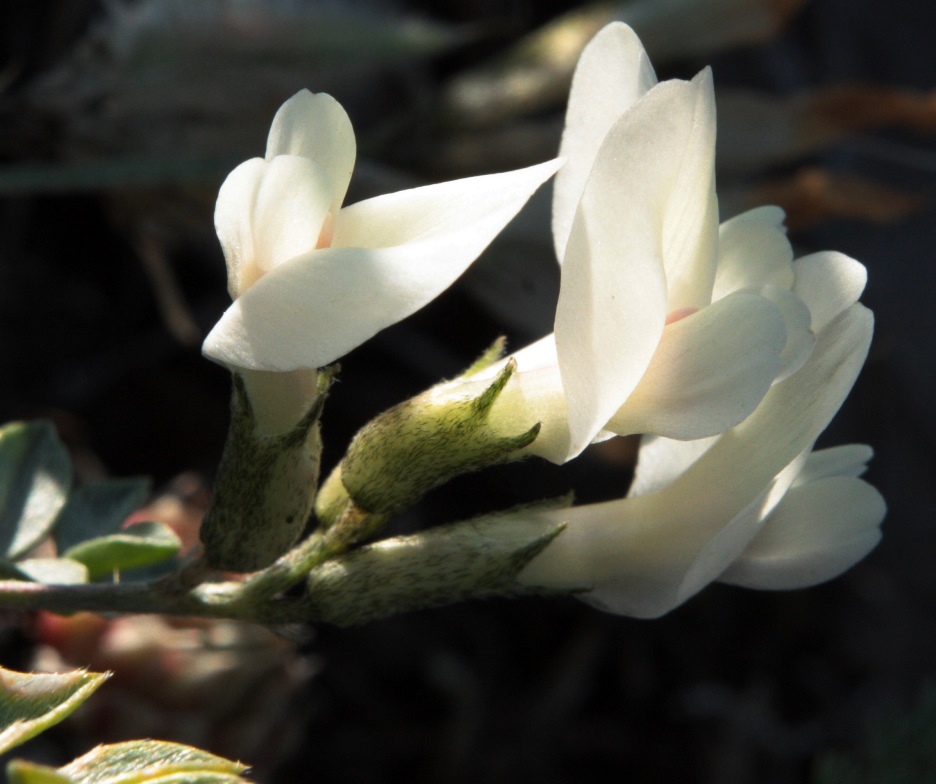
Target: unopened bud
[(416, 446)]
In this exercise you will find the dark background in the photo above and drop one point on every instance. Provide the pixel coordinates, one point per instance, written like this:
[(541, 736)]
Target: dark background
[(735, 686)]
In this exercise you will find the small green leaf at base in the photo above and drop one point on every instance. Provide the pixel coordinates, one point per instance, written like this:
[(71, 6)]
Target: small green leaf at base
[(98, 509), (35, 477), (134, 762), (33, 702), (143, 544)]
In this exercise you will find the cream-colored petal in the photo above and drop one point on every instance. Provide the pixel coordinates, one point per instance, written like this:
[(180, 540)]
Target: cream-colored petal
[(289, 211), (690, 227), (268, 212), (467, 213), (846, 460), (316, 126), (817, 532), (233, 220), (753, 251), (613, 295), (660, 460), (315, 308), (709, 372), (828, 282), (643, 556), (612, 73), (797, 319), (787, 422)]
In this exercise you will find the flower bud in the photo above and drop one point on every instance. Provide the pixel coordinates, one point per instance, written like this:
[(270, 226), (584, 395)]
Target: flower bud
[(416, 446)]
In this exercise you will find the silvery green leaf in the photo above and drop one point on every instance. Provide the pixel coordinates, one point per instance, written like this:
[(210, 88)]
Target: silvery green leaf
[(33, 702), (35, 475), (134, 762)]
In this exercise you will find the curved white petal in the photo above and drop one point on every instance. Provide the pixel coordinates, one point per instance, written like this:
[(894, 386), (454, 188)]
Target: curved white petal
[(660, 460), (612, 73), (467, 213), (797, 320), (233, 220), (613, 295), (690, 227), (828, 282), (268, 212), (793, 413), (709, 372), (817, 532), (643, 556), (315, 308), (846, 460), (316, 126), (753, 251)]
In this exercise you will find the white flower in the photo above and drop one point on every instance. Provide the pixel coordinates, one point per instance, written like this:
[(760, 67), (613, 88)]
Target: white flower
[(752, 506), (310, 280), (666, 323)]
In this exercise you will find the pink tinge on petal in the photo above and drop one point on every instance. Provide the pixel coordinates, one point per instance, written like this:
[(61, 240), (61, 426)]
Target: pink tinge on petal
[(678, 315), (327, 232)]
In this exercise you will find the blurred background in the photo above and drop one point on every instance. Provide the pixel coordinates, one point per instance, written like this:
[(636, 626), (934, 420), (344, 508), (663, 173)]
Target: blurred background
[(118, 121)]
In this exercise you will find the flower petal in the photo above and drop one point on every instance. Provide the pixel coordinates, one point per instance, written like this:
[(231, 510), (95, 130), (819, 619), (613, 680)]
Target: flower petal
[(612, 73), (690, 227), (613, 294), (316, 126), (709, 372), (268, 212), (467, 214), (660, 460), (828, 282), (753, 251), (643, 556), (797, 319), (845, 460), (315, 308), (817, 532)]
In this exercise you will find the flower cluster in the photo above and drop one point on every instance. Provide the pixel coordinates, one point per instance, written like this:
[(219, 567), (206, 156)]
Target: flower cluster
[(728, 355)]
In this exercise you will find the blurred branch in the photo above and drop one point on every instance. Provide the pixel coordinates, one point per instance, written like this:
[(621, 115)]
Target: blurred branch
[(757, 130), (536, 73)]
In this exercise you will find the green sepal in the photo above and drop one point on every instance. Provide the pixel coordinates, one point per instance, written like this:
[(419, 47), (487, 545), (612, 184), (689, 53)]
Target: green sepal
[(416, 446), (474, 559), (265, 488), (33, 702), (139, 545), (492, 354), (35, 478)]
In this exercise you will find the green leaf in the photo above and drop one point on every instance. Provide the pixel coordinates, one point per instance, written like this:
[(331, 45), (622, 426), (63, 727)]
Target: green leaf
[(49, 571), (98, 509), (134, 762), (139, 545), (35, 476), (33, 702), (53, 571)]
